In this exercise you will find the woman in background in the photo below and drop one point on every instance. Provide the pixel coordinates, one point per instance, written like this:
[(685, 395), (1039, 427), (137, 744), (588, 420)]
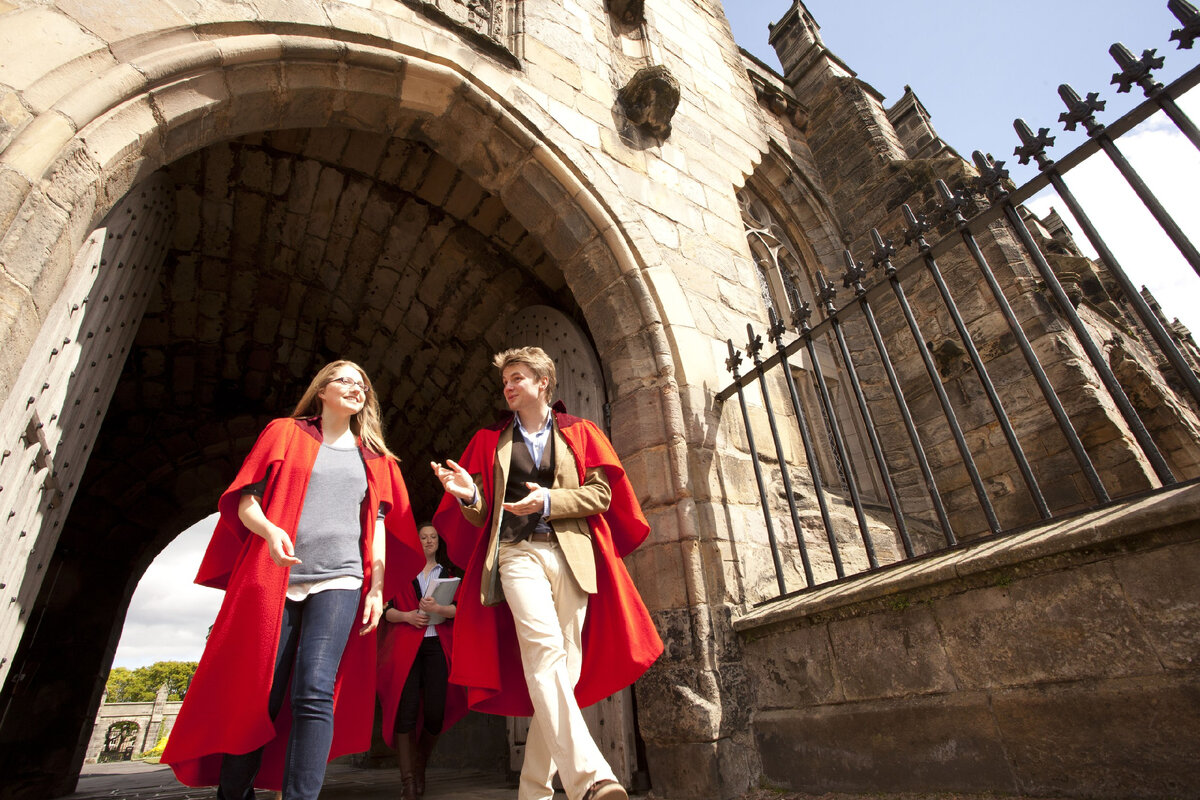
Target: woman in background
[(299, 550), (414, 667)]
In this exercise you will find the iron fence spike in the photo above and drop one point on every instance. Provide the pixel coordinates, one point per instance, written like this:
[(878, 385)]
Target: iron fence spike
[(915, 228), (1033, 146), (852, 278), (1186, 13), (1134, 70), (1080, 109), (735, 359)]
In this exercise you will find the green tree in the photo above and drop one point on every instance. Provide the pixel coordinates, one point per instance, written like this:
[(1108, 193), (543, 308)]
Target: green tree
[(140, 685)]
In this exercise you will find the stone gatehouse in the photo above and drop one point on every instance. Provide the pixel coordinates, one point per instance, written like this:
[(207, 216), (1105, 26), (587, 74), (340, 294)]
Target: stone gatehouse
[(201, 202), (123, 730)]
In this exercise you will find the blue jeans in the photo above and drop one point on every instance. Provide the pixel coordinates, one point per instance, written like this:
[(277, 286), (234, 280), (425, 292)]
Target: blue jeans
[(311, 640)]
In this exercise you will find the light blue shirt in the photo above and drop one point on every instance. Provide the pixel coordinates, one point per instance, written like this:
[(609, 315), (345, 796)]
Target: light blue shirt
[(536, 444)]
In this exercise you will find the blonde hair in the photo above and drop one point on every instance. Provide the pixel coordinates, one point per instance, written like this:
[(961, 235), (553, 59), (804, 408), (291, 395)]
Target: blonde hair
[(536, 359), (366, 423)]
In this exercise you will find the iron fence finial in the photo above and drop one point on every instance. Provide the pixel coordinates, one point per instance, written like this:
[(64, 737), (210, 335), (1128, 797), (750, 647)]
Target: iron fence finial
[(881, 256), (775, 332), (801, 316), (952, 203), (1080, 110), (915, 229), (852, 277), (754, 345), (992, 175), (1186, 13), (828, 292), (1134, 70), (1033, 146), (735, 359)]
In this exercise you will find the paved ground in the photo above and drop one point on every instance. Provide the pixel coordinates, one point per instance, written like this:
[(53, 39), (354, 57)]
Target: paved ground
[(134, 780)]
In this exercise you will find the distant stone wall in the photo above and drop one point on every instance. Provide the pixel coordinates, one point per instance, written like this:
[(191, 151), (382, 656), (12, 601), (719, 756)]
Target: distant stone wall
[(152, 718), (1062, 662)]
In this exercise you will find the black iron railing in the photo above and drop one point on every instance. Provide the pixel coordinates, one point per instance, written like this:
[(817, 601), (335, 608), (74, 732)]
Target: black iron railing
[(998, 207)]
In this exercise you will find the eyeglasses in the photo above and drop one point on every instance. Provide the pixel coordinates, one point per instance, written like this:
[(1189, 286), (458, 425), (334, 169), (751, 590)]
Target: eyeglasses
[(348, 383)]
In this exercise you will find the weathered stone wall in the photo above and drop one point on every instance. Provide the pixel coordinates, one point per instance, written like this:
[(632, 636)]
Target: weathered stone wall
[(1063, 662), (640, 236)]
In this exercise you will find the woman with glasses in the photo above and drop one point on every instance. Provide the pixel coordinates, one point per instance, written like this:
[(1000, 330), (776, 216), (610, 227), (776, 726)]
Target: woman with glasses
[(286, 683)]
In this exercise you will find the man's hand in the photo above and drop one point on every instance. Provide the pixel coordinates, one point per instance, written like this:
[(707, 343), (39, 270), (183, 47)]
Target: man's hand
[(532, 503), (455, 480)]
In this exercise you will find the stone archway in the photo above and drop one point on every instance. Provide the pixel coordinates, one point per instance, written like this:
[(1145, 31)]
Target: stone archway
[(193, 397)]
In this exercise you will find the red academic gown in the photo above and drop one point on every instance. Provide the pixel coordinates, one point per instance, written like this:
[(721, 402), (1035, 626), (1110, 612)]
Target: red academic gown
[(398, 650), (619, 638), (225, 709)]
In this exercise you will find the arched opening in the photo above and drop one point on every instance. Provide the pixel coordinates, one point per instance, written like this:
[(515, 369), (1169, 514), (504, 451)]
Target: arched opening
[(396, 243), (119, 741)]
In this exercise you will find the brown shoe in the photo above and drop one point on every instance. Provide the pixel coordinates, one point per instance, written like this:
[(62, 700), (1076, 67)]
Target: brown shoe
[(606, 790)]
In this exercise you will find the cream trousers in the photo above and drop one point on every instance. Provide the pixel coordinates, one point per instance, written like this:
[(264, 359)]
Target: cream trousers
[(548, 608)]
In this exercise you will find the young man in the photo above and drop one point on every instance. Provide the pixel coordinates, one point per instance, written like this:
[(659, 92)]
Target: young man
[(540, 511)]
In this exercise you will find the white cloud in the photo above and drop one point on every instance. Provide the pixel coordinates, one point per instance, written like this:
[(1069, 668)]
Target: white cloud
[(169, 615), (1170, 165)]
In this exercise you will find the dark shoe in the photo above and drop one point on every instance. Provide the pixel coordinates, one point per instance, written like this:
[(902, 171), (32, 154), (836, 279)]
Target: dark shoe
[(424, 748), (407, 789), (247, 795), (606, 790)]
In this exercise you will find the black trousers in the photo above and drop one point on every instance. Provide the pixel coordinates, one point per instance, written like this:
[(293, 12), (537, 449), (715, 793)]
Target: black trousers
[(427, 680)]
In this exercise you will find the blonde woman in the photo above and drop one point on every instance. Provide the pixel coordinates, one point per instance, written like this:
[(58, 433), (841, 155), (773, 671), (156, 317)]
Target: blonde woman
[(286, 683)]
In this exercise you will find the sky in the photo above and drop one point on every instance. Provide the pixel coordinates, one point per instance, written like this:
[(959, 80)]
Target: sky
[(976, 66)]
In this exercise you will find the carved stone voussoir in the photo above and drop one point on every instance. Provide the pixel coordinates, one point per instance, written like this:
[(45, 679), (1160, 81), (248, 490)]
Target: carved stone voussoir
[(649, 100), (628, 12)]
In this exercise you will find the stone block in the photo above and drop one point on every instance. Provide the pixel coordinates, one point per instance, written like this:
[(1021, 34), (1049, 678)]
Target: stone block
[(31, 153), (255, 99), (362, 22), (426, 88), (1163, 588), (936, 743), (1048, 627), (690, 769), (61, 41), (369, 102), (793, 669), (1126, 738), (114, 20), (890, 654), (13, 115), (183, 101)]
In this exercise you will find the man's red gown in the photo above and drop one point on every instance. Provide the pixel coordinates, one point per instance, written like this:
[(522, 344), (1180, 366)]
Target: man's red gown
[(225, 709), (619, 638)]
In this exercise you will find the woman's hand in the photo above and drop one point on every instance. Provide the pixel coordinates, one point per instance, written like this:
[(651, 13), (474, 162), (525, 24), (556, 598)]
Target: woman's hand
[(455, 480), (418, 619), (429, 606), (532, 503), (283, 553), (372, 611), (279, 543)]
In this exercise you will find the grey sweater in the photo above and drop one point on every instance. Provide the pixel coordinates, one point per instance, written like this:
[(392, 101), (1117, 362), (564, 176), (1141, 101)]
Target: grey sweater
[(328, 533)]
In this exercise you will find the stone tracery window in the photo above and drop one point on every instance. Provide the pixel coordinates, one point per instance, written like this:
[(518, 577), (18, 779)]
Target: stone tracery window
[(780, 271)]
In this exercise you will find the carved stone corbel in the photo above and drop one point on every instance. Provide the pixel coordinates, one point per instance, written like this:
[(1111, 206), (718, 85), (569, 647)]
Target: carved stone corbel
[(649, 100)]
